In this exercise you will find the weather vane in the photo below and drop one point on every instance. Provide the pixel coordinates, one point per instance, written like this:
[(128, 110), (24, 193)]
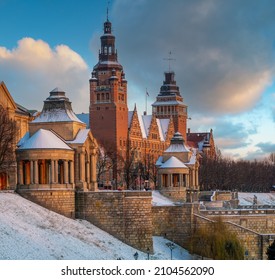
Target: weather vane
[(169, 60)]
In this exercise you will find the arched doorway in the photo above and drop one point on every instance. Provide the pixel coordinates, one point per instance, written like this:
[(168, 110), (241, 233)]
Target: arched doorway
[(3, 181)]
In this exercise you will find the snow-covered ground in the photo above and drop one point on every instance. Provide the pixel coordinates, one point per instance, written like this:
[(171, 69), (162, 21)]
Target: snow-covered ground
[(31, 232), (160, 200), (262, 198)]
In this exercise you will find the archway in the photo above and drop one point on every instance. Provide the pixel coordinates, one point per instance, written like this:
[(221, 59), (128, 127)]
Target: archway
[(3, 181)]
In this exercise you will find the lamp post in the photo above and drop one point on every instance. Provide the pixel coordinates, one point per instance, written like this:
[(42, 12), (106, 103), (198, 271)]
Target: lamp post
[(136, 255), (148, 254), (171, 246)]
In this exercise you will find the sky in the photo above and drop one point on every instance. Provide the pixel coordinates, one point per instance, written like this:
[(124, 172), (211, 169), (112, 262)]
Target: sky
[(222, 51)]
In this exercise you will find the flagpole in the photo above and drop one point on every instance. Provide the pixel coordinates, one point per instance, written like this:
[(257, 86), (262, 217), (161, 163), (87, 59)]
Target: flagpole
[(146, 101)]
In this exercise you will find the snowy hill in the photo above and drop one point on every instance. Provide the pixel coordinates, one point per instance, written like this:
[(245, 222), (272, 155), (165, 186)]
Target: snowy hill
[(28, 231)]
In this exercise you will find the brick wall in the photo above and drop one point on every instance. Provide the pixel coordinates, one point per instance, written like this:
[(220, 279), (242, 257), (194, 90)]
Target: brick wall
[(126, 215), (174, 222), (61, 201)]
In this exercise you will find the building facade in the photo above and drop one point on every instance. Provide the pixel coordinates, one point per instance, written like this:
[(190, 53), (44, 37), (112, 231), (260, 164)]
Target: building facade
[(178, 170), (116, 128), (58, 151), (21, 116)]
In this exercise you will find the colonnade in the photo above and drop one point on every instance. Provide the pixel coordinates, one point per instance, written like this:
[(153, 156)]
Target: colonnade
[(190, 179), (86, 166), (45, 172)]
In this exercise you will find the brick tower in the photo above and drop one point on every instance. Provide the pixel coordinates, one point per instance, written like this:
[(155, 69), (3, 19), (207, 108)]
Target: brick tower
[(108, 97), (169, 103)]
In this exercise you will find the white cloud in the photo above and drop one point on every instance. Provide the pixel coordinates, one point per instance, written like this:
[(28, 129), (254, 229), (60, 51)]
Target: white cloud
[(32, 69)]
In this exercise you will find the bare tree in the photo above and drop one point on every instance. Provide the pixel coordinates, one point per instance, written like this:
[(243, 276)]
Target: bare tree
[(104, 165), (7, 140), (130, 167)]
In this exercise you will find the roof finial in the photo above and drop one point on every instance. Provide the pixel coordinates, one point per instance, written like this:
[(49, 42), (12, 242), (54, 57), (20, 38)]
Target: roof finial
[(169, 60), (108, 3)]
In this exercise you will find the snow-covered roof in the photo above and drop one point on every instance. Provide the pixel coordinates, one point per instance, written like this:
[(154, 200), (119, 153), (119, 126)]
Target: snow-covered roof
[(43, 139), (170, 102), (57, 108), (142, 127), (159, 161), (177, 144), (173, 162), (193, 159), (177, 148), (163, 127), (146, 122), (57, 115), (23, 139), (81, 137)]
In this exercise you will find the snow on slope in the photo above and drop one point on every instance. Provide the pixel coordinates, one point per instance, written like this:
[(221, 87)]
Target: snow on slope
[(31, 232), (160, 200), (262, 198)]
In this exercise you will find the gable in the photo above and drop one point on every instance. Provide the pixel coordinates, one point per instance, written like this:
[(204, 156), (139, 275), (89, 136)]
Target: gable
[(153, 132), (6, 99), (135, 126), (170, 131)]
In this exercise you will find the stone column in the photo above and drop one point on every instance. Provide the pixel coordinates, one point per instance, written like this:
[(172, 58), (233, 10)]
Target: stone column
[(187, 178), (88, 172), (169, 180), (20, 172), (52, 172), (82, 167), (93, 166), (25, 173), (194, 177), (35, 169), (180, 180), (66, 173), (197, 177), (31, 171), (71, 163), (56, 172)]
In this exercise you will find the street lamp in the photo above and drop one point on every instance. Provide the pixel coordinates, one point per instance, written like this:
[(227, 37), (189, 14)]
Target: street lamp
[(171, 246), (148, 253), (136, 255)]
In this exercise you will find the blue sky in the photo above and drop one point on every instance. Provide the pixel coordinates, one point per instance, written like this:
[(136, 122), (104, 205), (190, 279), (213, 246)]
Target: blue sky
[(223, 51)]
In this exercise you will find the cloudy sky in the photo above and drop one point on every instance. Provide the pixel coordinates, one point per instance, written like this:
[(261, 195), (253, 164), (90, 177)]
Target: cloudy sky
[(223, 58)]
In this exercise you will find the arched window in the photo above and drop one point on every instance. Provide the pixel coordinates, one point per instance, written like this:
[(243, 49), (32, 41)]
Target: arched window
[(98, 97)]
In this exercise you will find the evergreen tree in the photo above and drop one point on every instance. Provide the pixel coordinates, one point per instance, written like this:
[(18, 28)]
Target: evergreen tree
[(271, 251), (216, 242)]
